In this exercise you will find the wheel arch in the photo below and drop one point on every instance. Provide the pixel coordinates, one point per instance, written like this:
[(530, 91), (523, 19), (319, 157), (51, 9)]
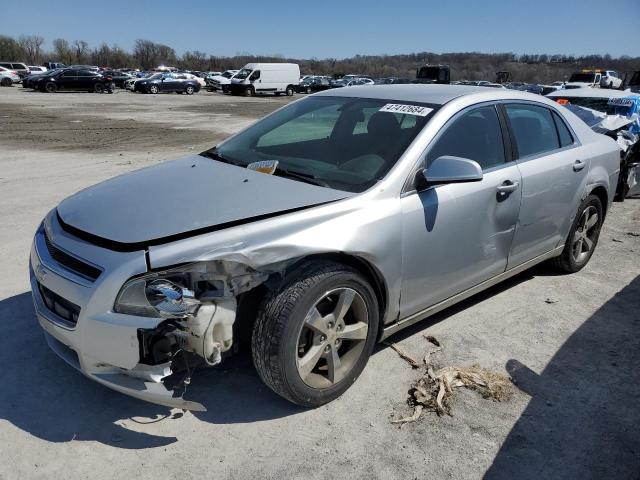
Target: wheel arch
[(249, 302), (601, 192)]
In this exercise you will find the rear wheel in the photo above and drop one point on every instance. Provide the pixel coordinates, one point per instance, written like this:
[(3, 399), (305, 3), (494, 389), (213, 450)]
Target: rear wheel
[(313, 337), (6, 82), (583, 236), (98, 88), (50, 87), (189, 90)]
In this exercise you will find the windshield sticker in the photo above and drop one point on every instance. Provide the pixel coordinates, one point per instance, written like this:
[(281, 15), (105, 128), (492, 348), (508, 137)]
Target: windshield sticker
[(407, 109), (620, 102), (265, 166)]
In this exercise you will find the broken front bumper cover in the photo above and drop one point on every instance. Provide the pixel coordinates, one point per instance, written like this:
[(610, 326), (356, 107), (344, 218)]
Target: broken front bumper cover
[(101, 344)]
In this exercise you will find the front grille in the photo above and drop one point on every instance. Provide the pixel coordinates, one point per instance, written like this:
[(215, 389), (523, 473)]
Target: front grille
[(62, 307), (71, 263)]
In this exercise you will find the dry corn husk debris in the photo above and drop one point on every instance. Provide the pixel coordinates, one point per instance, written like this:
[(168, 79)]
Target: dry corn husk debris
[(434, 389)]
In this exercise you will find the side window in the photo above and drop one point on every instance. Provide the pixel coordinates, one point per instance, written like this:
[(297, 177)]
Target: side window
[(564, 135), (70, 73), (255, 75), (85, 73), (533, 128), (475, 135)]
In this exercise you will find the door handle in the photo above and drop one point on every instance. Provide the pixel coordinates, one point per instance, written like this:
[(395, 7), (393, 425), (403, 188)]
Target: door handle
[(578, 165), (508, 187)]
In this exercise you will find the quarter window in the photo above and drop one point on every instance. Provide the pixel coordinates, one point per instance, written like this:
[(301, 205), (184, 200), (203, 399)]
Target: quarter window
[(475, 135), (533, 128), (564, 134)]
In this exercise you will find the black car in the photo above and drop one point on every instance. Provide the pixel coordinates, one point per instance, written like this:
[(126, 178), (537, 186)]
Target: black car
[(117, 77), (74, 79), (167, 82), (313, 84), (30, 80)]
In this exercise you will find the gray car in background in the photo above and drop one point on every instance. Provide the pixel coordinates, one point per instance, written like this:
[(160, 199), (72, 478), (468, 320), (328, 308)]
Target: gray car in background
[(314, 233)]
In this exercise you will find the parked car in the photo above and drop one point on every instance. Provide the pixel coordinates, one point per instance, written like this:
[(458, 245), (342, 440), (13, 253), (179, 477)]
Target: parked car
[(35, 69), (313, 84), (20, 68), (265, 78), (583, 79), (54, 65), (391, 81), (167, 83), (433, 74), (73, 79), (616, 114), (139, 278), (610, 79), (118, 77), (221, 82), (8, 77), (29, 80)]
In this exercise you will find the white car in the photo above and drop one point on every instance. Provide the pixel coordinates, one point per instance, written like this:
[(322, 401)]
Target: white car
[(222, 81), (584, 79), (610, 79), (35, 69), (8, 77), (191, 76)]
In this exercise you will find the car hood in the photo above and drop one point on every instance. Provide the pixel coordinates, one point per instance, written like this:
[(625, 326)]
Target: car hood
[(183, 197)]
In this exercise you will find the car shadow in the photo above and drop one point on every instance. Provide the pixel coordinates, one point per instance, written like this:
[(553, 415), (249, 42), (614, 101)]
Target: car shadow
[(584, 416), (45, 397)]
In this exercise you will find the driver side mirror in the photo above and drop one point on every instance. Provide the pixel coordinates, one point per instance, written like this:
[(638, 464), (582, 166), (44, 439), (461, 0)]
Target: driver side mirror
[(448, 169)]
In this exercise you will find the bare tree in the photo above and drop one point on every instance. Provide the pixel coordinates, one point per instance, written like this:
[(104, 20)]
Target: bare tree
[(32, 46), (80, 47), (62, 51)]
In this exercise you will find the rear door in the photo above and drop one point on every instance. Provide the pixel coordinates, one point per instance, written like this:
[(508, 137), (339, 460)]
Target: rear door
[(554, 174), (68, 79), (458, 235)]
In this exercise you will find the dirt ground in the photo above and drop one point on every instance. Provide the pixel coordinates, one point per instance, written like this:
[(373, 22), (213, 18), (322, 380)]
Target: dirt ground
[(571, 343)]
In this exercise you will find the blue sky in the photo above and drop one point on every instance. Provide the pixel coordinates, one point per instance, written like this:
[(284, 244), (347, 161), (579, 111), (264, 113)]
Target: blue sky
[(331, 28)]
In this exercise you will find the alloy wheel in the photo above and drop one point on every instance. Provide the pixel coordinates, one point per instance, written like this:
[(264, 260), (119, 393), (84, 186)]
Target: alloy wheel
[(332, 338), (585, 235)]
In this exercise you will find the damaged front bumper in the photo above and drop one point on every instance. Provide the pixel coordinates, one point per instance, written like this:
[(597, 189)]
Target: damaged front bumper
[(74, 294)]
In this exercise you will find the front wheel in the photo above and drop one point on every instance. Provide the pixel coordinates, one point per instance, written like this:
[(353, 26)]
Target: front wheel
[(6, 82), (314, 336), (50, 87), (583, 236), (154, 89), (249, 92), (289, 91)]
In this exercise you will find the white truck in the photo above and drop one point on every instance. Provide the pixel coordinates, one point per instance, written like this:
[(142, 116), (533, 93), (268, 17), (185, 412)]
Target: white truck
[(583, 79), (220, 82), (264, 78), (610, 79)]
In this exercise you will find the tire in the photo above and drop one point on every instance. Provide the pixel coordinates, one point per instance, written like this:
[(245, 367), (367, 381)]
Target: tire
[(574, 257), (308, 90), (249, 92), (50, 87), (6, 82), (189, 90), (282, 339), (289, 91), (154, 89), (98, 88)]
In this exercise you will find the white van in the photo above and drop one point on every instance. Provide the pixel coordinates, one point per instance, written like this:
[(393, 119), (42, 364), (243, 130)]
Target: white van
[(262, 78)]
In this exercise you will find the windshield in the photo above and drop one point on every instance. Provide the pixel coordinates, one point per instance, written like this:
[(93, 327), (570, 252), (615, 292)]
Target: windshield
[(155, 75), (244, 73), (583, 77), (227, 74), (339, 142)]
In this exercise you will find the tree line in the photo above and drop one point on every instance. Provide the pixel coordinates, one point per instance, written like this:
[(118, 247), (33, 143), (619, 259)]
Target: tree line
[(534, 68)]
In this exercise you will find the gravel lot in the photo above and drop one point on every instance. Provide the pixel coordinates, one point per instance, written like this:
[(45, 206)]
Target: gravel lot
[(571, 343)]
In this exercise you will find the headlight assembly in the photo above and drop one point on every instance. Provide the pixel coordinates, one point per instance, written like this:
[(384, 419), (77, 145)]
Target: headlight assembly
[(180, 291)]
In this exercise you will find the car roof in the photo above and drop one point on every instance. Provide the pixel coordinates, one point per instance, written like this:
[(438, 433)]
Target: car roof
[(432, 94), (589, 93)]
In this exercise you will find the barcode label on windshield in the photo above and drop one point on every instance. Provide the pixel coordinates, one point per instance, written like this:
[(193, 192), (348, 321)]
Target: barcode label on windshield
[(406, 109), (620, 102)]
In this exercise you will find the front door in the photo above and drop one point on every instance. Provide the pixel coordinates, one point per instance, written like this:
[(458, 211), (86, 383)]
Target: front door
[(554, 170), (456, 236)]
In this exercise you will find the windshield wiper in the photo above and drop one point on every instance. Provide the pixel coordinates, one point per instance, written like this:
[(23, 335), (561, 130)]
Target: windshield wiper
[(221, 158), (303, 177)]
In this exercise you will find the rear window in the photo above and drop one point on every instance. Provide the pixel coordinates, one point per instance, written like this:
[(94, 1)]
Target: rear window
[(533, 128)]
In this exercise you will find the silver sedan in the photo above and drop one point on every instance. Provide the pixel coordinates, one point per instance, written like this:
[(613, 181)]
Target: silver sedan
[(315, 233)]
